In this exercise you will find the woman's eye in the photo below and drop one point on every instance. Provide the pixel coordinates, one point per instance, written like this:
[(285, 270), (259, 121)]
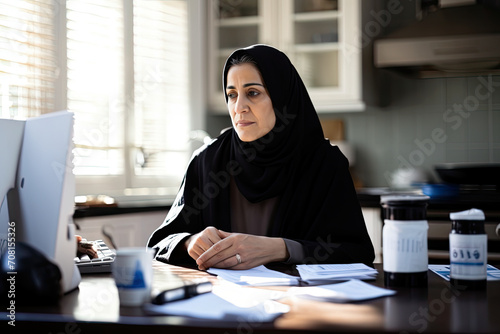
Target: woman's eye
[(253, 93), (231, 95)]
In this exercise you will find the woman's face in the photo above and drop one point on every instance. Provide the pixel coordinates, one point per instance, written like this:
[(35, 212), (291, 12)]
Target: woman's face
[(249, 103)]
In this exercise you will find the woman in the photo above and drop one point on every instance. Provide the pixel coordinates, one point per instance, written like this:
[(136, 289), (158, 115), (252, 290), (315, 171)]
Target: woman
[(270, 189)]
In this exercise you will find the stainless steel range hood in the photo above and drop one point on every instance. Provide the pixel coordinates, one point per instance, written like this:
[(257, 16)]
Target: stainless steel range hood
[(449, 42)]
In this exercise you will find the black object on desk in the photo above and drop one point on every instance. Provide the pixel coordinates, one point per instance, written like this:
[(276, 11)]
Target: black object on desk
[(183, 292)]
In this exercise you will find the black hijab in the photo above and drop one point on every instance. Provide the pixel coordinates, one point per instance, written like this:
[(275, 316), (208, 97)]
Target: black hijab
[(317, 204), (270, 163)]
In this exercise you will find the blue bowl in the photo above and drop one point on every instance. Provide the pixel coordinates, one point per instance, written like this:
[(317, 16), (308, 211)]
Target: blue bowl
[(441, 190)]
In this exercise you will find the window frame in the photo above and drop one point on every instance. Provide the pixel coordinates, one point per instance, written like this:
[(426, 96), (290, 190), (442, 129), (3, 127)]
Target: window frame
[(127, 189)]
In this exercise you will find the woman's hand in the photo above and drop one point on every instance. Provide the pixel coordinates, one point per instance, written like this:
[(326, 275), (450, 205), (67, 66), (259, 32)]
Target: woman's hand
[(85, 247), (251, 250), (197, 244)]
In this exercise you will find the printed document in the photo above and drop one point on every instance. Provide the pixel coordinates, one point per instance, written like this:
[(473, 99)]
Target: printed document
[(324, 273)]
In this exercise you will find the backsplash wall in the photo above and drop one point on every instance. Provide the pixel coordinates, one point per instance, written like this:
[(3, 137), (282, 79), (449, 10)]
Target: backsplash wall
[(428, 121)]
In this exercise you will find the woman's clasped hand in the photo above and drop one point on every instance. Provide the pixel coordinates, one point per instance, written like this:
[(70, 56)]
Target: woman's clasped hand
[(214, 248)]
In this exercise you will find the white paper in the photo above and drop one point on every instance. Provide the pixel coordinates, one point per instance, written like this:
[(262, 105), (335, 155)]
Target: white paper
[(245, 296), (258, 276), (231, 301), (318, 273), (443, 270), (352, 290), (228, 301)]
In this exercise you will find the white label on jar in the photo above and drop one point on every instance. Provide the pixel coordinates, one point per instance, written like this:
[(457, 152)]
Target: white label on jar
[(468, 254), (405, 246)]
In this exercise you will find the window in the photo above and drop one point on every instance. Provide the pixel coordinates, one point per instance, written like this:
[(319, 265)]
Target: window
[(27, 58), (123, 68), (127, 84)]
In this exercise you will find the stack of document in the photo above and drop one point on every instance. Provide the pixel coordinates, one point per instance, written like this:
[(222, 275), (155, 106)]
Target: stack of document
[(325, 273), (258, 276)]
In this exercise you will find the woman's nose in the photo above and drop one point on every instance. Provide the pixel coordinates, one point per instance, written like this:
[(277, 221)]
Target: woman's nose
[(241, 105)]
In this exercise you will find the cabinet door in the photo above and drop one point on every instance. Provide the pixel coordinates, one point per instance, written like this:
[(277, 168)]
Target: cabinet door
[(235, 24), (319, 36)]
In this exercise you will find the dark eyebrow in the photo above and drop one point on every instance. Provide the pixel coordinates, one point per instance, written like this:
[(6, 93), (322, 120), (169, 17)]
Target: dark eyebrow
[(247, 85)]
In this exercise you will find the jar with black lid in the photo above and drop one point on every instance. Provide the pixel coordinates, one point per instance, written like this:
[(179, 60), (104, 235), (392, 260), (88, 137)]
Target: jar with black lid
[(468, 250), (404, 240)]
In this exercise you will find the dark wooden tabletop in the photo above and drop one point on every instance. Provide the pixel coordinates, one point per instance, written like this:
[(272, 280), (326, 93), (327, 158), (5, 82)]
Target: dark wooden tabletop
[(94, 307)]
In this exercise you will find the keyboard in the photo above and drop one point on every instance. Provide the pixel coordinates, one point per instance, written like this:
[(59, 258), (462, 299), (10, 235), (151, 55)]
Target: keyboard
[(100, 264)]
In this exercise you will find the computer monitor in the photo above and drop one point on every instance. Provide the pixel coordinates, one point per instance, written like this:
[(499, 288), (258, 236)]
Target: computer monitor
[(41, 200)]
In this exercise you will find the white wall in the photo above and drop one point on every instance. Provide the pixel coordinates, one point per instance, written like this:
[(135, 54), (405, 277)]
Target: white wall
[(126, 230)]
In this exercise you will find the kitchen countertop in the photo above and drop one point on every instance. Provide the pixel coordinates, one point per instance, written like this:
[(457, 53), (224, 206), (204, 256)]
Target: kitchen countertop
[(488, 201)]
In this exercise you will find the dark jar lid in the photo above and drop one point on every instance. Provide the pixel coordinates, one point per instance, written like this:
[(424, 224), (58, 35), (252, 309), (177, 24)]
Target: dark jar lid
[(404, 207)]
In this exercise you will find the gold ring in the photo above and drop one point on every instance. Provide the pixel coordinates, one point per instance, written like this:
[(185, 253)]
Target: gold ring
[(238, 258)]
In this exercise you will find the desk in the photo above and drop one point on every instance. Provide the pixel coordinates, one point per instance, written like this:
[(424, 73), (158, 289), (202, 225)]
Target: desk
[(94, 308)]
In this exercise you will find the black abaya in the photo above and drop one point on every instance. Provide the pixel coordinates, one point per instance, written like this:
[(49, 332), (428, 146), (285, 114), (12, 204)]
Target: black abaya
[(317, 204)]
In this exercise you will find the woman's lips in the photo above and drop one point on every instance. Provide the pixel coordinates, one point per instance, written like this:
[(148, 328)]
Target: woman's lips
[(244, 123)]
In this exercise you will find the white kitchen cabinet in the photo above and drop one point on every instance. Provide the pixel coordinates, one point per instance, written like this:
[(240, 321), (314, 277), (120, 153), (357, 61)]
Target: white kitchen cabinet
[(319, 36), (374, 225)]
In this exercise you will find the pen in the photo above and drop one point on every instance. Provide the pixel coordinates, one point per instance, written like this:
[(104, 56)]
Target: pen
[(183, 292)]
